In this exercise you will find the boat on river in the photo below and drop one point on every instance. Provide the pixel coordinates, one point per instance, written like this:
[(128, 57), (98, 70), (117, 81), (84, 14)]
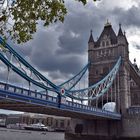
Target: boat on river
[(37, 127)]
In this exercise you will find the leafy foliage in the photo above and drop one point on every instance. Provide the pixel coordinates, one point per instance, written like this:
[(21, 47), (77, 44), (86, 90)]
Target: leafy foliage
[(20, 17)]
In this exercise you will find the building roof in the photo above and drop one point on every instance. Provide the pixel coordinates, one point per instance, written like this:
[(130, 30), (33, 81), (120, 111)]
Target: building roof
[(120, 33), (91, 38), (125, 38), (109, 32)]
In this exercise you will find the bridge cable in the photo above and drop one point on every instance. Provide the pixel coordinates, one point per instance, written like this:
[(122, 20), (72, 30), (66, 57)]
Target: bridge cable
[(111, 92), (107, 96), (98, 88), (9, 69), (115, 88), (25, 63), (102, 101)]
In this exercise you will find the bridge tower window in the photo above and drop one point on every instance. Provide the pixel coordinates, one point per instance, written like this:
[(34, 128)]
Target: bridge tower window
[(105, 70), (96, 72), (103, 43), (107, 43)]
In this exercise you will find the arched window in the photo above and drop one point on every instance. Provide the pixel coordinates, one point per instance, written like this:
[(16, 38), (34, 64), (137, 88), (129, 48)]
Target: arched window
[(105, 70), (107, 43), (96, 72), (103, 43)]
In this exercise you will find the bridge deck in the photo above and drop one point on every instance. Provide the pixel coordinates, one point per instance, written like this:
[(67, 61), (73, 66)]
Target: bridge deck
[(19, 99)]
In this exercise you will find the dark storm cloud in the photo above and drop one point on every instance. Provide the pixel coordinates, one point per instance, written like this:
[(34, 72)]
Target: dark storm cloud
[(44, 56), (13, 77), (136, 45), (3, 71), (77, 26), (76, 30), (130, 17), (60, 49), (70, 44)]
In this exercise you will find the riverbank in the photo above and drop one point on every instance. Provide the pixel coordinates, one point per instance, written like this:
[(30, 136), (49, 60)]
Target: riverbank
[(12, 134)]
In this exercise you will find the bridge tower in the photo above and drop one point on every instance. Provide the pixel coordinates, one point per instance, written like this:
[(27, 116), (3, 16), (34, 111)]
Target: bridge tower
[(103, 54)]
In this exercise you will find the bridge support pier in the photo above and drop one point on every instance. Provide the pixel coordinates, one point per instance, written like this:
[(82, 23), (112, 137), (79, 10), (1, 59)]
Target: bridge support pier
[(126, 129), (93, 129)]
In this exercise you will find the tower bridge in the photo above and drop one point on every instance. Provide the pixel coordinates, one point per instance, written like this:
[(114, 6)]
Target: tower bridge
[(112, 80)]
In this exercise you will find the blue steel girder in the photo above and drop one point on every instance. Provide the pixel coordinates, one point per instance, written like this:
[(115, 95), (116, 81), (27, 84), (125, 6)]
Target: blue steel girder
[(97, 90), (22, 74), (8, 53), (72, 82), (18, 94), (23, 68)]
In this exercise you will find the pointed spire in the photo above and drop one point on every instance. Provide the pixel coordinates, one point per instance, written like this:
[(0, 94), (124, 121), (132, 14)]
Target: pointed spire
[(120, 33), (107, 23), (125, 37), (134, 60), (91, 37)]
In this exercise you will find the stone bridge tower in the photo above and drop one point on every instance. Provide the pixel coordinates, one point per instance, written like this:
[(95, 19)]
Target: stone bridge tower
[(103, 54)]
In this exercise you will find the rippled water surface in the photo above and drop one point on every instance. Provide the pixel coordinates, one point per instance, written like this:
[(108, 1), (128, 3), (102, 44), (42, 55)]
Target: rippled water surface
[(11, 134)]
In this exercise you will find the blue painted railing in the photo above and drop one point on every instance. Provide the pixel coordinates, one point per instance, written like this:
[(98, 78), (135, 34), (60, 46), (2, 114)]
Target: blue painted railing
[(134, 110), (33, 97)]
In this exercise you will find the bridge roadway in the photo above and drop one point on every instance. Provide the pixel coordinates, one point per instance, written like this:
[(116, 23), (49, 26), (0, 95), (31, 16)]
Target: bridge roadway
[(19, 99)]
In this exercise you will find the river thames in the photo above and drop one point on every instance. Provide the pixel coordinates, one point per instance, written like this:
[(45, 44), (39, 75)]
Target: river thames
[(12, 134)]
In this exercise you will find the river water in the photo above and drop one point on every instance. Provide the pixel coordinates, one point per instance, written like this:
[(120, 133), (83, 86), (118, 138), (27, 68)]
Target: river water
[(11, 134)]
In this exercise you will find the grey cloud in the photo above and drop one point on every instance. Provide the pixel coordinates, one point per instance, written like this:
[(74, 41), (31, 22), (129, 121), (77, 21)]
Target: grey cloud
[(138, 47), (13, 77), (129, 18), (3, 71), (60, 49)]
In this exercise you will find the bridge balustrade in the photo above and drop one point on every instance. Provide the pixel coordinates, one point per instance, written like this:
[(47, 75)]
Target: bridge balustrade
[(2, 86), (38, 96), (87, 109), (25, 92), (33, 94), (134, 110), (11, 88), (47, 100), (18, 90)]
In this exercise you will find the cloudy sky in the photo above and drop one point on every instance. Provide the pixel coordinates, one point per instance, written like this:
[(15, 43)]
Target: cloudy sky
[(60, 50)]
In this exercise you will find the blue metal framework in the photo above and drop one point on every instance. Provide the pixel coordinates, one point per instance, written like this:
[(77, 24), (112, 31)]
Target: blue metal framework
[(72, 82), (20, 66), (23, 67), (97, 90), (14, 93)]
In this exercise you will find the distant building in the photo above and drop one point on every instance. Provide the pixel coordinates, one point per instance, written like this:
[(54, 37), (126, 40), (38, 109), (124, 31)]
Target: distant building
[(60, 123), (3, 119)]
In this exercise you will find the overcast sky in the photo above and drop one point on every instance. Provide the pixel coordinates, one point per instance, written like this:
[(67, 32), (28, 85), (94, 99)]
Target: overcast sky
[(60, 50)]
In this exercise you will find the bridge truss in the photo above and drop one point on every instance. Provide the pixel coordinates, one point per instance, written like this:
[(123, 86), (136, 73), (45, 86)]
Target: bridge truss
[(66, 96)]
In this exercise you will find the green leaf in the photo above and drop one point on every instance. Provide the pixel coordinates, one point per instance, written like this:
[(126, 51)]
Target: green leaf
[(26, 14)]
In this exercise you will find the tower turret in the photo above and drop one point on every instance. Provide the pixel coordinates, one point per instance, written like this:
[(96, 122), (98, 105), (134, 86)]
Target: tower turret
[(123, 44), (120, 33), (121, 37), (107, 37), (91, 42)]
